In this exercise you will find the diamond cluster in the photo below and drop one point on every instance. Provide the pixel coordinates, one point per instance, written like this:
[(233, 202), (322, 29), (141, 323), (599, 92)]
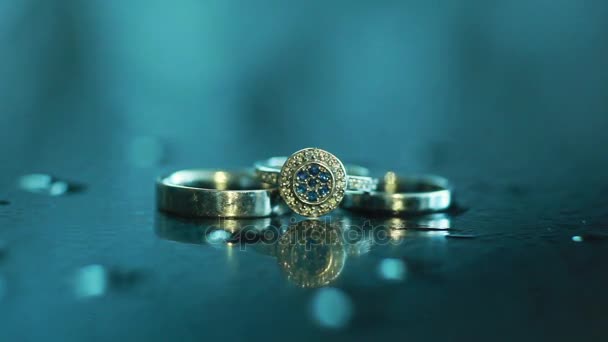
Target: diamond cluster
[(312, 182)]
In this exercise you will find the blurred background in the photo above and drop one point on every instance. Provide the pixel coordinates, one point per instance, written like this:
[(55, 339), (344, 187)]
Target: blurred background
[(405, 83), (508, 99)]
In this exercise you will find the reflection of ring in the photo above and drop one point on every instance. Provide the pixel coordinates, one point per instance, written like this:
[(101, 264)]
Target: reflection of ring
[(212, 230), (312, 253), (216, 193), (429, 222), (313, 181), (403, 195)]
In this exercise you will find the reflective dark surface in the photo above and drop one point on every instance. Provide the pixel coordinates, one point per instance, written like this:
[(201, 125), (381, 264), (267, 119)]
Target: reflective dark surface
[(507, 100)]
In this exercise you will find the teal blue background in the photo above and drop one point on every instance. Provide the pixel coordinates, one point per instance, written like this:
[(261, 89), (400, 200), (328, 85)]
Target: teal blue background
[(506, 98)]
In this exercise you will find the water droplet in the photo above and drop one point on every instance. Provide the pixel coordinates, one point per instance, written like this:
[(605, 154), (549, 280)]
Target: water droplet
[(590, 237), (218, 236), (145, 151), (58, 188), (35, 182), (392, 269), (41, 183), (91, 281), (332, 308)]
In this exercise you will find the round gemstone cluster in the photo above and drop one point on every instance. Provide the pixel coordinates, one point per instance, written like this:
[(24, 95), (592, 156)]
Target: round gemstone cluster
[(313, 183)]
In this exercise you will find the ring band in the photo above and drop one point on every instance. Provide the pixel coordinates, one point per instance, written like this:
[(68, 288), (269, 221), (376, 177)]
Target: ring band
[(398, 194), (217, 193), (312, 181)]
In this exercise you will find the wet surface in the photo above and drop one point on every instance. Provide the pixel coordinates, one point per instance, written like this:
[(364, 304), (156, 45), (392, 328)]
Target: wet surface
[(517, 254), (102, 257), (99, 99), (3, 249)]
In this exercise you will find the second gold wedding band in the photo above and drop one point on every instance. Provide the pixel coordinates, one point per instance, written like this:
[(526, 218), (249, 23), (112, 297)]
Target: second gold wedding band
[(217, 193), (402, 194)]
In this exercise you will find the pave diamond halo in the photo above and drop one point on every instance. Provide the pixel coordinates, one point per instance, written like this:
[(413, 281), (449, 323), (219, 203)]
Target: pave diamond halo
[(312, 182)]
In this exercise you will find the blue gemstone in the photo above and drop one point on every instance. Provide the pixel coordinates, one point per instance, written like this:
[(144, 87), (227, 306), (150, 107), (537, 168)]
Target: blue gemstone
[(301, 188), (312, 182), (312, 196), (324, 191), (324, 177), (302, 175), (314, 169)]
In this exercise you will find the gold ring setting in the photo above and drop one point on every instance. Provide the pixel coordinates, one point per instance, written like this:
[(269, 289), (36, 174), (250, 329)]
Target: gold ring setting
[(312, 182)]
